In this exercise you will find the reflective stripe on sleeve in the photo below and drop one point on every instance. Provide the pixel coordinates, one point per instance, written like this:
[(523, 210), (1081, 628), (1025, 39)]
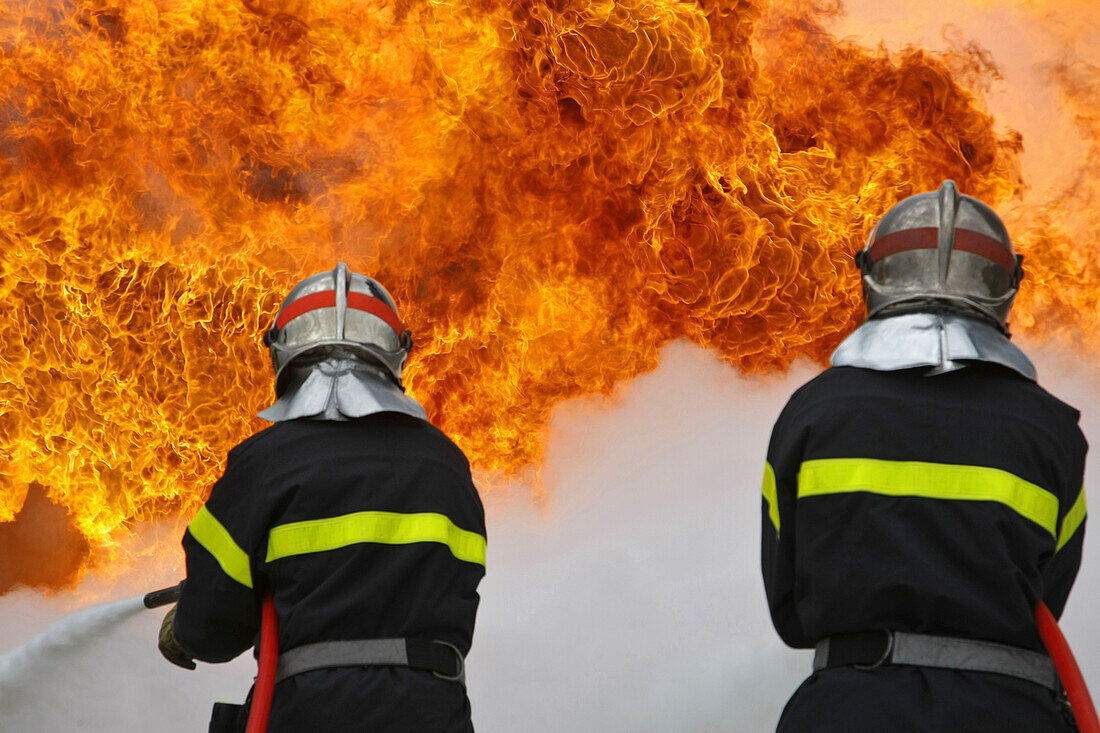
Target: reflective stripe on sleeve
[(389, 528), (930, 481), (210, 533), (1073, 519), (770, 495)]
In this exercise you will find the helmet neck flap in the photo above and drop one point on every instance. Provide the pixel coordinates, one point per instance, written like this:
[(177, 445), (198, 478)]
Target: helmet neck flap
[(942, 341), (337, 384)]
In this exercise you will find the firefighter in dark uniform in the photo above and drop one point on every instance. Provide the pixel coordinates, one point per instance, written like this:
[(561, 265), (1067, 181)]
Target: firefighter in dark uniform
[(923, 495), (357, 515)]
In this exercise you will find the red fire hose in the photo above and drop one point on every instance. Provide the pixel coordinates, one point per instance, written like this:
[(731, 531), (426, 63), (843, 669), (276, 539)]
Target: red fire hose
[(262, 691), (268, 662), (1068, 671)]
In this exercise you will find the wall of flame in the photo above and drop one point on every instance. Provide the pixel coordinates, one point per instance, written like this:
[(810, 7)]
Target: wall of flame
[(552, 190)]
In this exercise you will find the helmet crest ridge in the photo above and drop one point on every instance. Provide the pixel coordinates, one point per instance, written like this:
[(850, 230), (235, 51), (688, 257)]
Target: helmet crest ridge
[(945, 240)]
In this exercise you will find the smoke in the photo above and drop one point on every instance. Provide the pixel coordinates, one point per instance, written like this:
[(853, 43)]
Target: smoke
[(630, 603), (98, 669), (634, 602), (23, 668)]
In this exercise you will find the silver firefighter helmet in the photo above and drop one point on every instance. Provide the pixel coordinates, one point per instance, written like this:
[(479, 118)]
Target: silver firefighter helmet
[(941, 250), (338, 308)]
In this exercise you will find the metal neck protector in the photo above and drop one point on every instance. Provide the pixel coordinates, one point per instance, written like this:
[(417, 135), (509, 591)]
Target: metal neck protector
[(943, 342), (339, 386)]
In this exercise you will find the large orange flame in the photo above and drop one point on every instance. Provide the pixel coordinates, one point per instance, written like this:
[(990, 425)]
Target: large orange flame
[(551, 189)]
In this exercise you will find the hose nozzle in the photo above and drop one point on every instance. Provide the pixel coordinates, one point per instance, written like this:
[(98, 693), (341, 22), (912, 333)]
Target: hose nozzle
[(163, 597)]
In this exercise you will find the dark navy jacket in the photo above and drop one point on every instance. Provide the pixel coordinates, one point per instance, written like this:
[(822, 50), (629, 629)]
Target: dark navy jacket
[(364, 529), (948, 505)]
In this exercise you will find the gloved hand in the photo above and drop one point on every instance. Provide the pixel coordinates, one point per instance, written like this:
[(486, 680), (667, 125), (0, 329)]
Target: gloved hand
[(169, 646)]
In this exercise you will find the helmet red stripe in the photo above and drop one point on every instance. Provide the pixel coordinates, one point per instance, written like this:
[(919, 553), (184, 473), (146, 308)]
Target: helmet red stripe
[(327, 299), (313, 301), (904, 241), (376, 307), (966, 240), (970, 241)]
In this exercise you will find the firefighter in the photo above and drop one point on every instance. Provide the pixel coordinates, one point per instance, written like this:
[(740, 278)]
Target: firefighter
[(357, 515), (924, 494)]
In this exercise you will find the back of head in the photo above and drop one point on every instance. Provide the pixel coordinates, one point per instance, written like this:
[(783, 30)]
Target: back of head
[(941, 251), (338, 348), (338, 310)]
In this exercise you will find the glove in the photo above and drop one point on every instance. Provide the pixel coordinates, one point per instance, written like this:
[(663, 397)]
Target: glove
[(169, 646)]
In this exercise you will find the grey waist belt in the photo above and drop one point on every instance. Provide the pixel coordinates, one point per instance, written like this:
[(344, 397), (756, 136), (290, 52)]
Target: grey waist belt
[(438, 657), (871, 649)]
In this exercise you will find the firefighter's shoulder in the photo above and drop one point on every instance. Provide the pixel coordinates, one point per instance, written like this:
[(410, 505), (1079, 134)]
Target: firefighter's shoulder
[(250, 443), (831, 383), (391, 432)]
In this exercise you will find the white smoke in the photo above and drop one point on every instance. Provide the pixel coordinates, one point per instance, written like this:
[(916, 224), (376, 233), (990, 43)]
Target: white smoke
[(631, 603), (22, 668), (98, 669)]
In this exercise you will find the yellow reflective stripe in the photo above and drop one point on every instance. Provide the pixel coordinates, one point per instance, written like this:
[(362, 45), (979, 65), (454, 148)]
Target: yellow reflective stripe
[(931, 481), (210, 533), (1073, 519), (770, 495), (389, 528)]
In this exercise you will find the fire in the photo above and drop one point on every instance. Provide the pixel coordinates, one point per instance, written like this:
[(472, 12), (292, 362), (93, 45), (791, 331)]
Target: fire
[(551, 190)]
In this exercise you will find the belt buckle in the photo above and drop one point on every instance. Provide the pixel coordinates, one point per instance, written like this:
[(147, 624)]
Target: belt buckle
[(885, 655), (460, 677)]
